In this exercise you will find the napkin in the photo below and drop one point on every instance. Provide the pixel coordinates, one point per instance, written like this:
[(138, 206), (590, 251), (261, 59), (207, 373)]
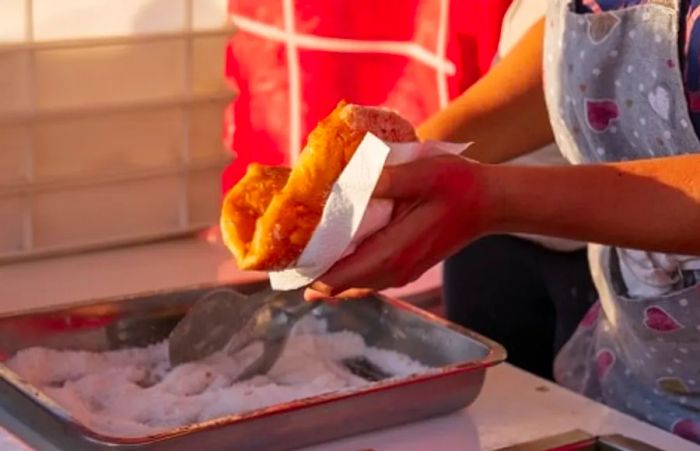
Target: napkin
[(350, 214)]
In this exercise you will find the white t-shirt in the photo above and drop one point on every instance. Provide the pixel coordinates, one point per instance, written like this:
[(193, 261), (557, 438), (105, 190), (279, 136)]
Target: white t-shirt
[(521, 15)]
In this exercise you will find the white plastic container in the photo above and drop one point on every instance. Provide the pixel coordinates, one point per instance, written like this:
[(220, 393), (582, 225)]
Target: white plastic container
[(110, 121)]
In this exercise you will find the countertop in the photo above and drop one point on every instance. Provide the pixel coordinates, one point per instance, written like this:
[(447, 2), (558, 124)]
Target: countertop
[(513, 407)]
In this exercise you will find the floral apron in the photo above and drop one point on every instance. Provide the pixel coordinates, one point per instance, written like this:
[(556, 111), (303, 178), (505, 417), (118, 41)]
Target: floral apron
[(614, 91)]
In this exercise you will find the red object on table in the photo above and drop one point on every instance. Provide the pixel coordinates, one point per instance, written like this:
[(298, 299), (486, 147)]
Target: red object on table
[(292, 61)]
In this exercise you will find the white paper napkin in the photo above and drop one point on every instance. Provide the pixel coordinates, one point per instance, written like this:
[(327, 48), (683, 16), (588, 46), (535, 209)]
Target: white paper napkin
[(350, 215)]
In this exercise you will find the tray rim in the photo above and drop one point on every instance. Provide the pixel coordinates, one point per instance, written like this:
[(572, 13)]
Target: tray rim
[(496, 354)]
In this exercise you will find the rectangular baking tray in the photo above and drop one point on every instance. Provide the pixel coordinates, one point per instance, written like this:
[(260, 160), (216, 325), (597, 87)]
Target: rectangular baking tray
[(578, 440), (460, 358)]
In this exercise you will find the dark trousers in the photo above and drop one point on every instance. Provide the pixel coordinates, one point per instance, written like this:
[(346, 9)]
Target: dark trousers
[(520, 294)]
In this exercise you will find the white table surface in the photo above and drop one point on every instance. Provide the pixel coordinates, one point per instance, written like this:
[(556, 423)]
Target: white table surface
[(513, 407)]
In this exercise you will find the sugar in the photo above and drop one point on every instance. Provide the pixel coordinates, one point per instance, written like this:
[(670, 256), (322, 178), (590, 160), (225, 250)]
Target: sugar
[(135, 392)]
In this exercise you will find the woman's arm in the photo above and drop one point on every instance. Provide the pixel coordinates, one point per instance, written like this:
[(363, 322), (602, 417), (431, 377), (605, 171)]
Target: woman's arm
[(651, 204), (504, 112), (445, 202)]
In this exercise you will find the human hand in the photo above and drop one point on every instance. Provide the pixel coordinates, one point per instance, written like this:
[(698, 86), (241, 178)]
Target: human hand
[(439, 206)]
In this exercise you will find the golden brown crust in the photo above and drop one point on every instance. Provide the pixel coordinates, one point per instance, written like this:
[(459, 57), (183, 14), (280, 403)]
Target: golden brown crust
[(246, 202), (267, 226)]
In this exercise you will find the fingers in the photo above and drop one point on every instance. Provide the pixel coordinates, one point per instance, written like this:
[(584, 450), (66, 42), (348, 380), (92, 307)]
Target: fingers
[(416, 178), (312, 294), (401, 182), (386, 259), (367, 267), (401, 208), (413, 240)]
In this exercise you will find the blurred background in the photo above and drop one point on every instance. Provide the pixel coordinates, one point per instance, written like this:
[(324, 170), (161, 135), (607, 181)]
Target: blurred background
[(124, 121)]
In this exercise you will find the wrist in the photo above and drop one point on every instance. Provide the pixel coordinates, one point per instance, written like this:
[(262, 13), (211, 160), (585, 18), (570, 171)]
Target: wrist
[(534, 199), (518, 199), (473, 191), (491, 198)]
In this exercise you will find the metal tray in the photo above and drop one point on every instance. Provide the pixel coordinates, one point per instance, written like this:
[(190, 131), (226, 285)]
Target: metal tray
[(460, 358), (578, 440)]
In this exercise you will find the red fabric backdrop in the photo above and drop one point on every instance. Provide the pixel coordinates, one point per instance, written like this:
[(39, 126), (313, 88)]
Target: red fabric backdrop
[(346, 49)]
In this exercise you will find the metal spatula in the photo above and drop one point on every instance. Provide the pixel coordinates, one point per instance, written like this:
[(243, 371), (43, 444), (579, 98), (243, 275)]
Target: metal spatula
[(227, 320), (208, 326), (270, 324)]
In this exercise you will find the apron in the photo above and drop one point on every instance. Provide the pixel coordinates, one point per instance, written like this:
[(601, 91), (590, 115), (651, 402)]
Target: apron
[(614, 91)]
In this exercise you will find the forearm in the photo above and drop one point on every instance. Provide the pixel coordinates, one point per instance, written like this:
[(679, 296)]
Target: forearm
[(504, 113), (652, 205)]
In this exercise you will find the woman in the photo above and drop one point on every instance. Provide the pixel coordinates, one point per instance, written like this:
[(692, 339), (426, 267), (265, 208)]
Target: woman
[(620, 108), (529, 293)]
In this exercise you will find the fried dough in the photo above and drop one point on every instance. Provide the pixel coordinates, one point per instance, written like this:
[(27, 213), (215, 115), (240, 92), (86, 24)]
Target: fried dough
[(268, 217)]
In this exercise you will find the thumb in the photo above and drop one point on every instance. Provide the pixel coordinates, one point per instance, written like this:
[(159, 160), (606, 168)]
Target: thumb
[(404, 181)]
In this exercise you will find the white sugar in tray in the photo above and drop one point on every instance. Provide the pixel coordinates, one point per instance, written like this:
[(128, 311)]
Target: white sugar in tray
[(135, 392)]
